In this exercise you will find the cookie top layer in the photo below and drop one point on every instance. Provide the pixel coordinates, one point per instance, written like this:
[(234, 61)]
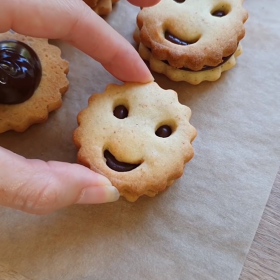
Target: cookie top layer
[(137, 135), (91, 3), (191, 33)]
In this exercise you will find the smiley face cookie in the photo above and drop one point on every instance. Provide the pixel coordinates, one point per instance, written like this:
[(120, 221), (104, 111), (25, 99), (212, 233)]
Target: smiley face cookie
[(137, 135), (32, 81), (191, 41)]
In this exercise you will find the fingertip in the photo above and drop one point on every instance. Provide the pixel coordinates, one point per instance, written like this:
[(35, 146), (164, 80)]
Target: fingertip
[(130, 68), (112, 194), (146, 75), (98, 195), (87, 176)]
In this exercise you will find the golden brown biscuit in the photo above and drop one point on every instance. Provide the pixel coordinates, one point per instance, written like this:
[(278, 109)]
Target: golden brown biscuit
[(101, 7), (91, 3), (27, 96), (137, 135), (192, 36)]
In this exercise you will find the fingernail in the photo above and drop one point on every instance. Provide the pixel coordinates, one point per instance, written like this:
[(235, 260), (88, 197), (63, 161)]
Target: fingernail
[(150, 78), (95, 195), (103, 181)]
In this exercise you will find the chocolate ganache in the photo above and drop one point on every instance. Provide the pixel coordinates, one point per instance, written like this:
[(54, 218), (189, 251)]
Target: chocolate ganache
[(20, 72), (116, 165)]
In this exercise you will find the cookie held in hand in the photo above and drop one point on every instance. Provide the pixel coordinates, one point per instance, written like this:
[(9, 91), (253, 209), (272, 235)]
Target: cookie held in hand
[(32, 81), (137, 135), (191, 41)]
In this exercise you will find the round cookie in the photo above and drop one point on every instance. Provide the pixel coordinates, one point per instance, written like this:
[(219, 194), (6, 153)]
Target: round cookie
[(32, 81), (137, 135), (191, 41)]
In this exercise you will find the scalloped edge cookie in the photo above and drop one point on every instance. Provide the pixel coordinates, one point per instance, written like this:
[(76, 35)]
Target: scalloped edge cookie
[(215, 41), (132, 140), (47, 97), (192, 22)]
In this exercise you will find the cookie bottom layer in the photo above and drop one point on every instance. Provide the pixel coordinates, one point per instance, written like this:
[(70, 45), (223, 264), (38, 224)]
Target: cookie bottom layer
[(191, 77)]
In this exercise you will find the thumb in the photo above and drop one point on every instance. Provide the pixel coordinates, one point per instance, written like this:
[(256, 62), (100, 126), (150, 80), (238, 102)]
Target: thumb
[(39, 187)]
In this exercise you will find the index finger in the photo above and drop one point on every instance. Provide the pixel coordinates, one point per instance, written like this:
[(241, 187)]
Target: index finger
[(73, 21)]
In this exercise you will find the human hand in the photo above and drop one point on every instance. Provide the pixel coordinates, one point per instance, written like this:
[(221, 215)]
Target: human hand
[(74, 22), (39, 187)]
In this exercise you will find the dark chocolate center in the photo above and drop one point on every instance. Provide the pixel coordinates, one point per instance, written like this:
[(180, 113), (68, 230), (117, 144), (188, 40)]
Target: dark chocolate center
[(219, 13), (205, 67), (173, 39), (20, 72), (164, 131), (116, 165), (120, 112)]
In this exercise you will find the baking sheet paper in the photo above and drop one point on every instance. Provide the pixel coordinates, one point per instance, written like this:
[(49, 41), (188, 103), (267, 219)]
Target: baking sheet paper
[(202, 226)]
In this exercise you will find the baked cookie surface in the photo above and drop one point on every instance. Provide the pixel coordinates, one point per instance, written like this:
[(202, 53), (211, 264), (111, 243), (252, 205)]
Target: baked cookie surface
[(137, 135)]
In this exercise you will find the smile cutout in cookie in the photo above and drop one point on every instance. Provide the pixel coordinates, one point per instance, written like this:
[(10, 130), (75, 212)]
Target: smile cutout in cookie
[(32, 81), (137, 135), (191, 41)]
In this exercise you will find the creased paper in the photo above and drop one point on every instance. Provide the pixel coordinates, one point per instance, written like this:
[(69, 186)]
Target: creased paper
[(203, 225)]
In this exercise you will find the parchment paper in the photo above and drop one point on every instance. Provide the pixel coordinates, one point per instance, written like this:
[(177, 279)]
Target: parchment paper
[(202, 226)]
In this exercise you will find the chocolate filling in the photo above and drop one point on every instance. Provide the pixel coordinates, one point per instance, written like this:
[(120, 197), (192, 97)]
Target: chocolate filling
[(219, 13), (116, 165), (20, 72), (205, 67), (164, 131), (120, 112), (173, 39)]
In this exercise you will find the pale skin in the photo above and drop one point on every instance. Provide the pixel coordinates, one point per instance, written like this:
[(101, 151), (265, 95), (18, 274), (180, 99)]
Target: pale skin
[(39, 187)]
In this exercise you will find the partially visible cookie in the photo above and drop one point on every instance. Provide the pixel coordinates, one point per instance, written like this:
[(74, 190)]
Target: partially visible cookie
[(101, 7), (191, 41), (137, 135), (32, 81), (91, 3)]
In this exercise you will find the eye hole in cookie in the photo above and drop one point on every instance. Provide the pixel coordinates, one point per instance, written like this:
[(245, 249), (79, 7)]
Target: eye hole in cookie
[(165, 129), (175, 40), (221, 10), (116, 165), (120, 112)]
